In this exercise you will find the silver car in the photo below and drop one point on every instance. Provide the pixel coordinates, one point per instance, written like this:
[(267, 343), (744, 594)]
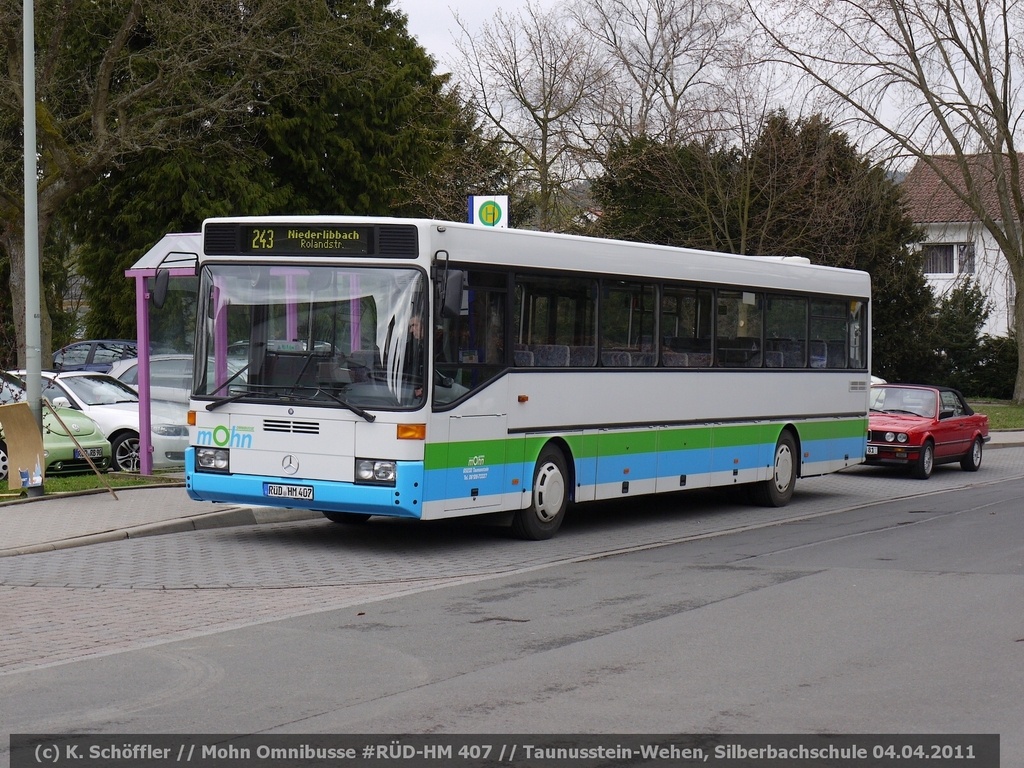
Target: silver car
[(114, 406), (170, 376)]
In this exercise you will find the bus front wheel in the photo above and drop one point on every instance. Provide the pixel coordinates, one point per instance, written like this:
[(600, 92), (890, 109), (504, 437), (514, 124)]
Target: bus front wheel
[(777, 490), (346, 518), (549, 499)]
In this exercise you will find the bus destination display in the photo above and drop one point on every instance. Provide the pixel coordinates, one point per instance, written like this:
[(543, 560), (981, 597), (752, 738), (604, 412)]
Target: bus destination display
[(305, 239)]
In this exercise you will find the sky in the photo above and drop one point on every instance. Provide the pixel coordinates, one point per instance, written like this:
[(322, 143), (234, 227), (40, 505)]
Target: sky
[(432, 23)]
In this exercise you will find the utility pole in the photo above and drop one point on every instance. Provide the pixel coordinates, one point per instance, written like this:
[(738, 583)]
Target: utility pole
[(33, 332)]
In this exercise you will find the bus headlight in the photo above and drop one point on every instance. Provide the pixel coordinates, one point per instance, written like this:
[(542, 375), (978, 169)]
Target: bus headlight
[(376, 471), (213, 459)]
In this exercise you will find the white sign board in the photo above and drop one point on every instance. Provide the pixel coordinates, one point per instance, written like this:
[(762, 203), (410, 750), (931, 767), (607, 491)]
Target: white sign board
[(489, 211)]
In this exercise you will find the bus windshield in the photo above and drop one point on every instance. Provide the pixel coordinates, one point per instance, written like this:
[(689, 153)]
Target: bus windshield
[(334, 336)]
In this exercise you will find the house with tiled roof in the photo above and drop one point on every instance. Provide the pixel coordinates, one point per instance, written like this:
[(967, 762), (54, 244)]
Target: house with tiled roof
[(956, 245)]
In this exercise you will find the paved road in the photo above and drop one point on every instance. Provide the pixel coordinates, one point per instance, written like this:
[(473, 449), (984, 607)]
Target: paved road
[(915, 600), (106, 598)]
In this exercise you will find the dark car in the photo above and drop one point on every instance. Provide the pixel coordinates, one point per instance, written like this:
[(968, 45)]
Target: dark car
[(917, 427), (93, 355)]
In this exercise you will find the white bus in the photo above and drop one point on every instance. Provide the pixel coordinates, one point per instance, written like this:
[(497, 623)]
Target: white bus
[(422, 369)]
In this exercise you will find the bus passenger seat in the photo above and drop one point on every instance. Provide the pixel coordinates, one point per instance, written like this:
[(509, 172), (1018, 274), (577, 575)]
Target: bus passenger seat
[(523, 358), (551, 355), (582, 356), (819, 353), (616, 358)]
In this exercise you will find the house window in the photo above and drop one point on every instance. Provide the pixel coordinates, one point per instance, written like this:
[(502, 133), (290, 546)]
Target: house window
[(949, 259), (938, 259), (965, 258)]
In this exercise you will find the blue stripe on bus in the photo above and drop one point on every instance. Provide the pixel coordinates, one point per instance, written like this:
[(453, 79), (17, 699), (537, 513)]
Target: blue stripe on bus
[(403, 500), (485, 481), (442, 484)]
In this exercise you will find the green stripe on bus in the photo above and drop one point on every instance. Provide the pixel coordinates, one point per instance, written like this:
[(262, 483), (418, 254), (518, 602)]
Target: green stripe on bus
[(694, 438), (632, 441), (832, 429), (441, 455)]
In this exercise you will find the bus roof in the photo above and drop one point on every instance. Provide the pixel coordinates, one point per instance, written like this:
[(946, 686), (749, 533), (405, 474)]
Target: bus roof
[(476, 244)]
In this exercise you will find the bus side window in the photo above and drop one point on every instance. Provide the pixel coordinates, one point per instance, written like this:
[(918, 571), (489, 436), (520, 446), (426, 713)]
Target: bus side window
[(628, 315), (829, 332), (785, 331), (739, 329), (555, 310), (686, 326), (469, 349)]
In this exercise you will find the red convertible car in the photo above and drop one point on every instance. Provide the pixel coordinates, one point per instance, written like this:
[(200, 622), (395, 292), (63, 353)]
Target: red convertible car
[(918, 427)]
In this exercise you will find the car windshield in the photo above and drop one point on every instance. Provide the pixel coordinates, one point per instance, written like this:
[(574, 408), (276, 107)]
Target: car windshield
[(99, 390), (906, 400)]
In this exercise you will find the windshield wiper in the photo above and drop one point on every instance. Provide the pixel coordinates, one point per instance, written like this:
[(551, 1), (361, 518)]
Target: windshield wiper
[(292, 396), (354, 408), (233, 376), (225, 400), (238, 396)]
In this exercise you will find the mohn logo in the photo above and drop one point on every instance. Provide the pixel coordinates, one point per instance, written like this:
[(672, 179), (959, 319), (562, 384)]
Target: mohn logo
[(223, 437)]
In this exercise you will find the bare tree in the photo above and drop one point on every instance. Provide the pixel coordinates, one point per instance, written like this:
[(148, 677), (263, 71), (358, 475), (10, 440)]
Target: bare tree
[(929, 78), (533, 77), (667, 63)]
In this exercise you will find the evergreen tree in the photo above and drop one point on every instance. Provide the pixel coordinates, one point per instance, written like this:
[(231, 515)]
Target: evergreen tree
[(340, 143), (122, 216), (366, 135), (997, 367), (961, 316), (124, 82)]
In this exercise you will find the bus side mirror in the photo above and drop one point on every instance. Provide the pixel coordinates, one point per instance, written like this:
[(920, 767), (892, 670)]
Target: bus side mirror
[(160, 283), (451, 293)]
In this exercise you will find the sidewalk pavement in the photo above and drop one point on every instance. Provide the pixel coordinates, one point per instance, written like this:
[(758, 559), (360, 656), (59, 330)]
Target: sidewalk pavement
[(61, 521)]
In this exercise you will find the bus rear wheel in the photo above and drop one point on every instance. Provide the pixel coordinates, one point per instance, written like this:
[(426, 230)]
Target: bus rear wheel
[(777, 490), (346, 518), (549, 499)]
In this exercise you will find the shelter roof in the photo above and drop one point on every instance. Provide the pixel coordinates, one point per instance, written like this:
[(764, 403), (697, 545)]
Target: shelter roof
[(177, 252)]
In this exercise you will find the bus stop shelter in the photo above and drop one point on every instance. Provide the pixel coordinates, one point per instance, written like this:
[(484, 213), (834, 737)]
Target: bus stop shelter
[(176, 254)]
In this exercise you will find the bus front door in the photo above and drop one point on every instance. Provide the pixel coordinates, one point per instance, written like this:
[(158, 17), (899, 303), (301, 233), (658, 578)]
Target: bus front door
[(476, 462)]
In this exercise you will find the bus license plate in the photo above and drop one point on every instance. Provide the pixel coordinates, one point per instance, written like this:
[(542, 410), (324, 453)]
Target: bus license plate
[(872, 450), (279, 491), (92, 453)]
